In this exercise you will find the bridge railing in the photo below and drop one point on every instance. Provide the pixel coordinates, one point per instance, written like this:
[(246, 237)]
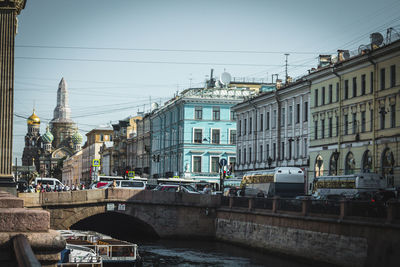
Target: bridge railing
[(388, 212)]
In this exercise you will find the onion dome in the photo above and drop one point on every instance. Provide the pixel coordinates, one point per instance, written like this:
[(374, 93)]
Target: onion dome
[(33, 119), (77, 138), (48, 136)]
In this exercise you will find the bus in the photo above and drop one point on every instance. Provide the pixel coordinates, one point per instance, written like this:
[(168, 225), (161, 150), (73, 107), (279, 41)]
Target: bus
[(347, 185), (281, 181)]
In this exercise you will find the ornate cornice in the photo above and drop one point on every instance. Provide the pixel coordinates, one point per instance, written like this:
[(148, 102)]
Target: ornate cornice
[(17, 4)]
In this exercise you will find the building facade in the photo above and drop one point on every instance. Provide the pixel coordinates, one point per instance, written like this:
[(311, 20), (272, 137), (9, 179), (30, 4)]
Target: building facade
[(106, 158), (355, 115), (273, 129), (143, 143), (72, 170), (91, 149), (192, 132)]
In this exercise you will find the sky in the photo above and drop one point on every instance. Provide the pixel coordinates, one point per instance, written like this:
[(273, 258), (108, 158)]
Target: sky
[(120, 56)]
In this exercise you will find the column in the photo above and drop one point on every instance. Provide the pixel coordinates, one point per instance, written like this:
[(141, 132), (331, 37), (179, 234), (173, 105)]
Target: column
[(8, 22)]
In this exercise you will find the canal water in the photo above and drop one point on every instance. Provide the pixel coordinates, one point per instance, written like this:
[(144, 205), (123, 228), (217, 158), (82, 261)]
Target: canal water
[(208, 253)]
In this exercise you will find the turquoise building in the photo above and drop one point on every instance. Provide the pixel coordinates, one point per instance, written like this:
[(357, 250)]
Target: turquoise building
[(193, 131)]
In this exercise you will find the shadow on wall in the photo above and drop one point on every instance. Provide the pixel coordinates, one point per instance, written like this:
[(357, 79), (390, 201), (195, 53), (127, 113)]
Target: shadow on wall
[(119, 226)]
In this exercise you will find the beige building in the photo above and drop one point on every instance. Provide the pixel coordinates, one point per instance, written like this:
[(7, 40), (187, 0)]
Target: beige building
[(91, 149), (72, 170), (355, 118)]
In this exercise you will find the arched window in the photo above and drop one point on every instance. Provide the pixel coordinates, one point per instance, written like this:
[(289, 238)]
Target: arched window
[(388, 166), (333, 163), (350, 164), (319, 166), (366, 164)]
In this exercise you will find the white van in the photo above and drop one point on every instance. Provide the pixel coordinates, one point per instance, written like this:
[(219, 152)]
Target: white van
[(52, 182), (131, 184)]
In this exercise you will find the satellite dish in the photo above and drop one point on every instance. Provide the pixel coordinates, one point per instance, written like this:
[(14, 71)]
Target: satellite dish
[(225, 78), (334, 59), (346, 54), (376, 38), (154, 106)]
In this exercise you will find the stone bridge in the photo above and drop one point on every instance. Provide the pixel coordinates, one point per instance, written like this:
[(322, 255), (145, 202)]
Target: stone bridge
[(340, 235)]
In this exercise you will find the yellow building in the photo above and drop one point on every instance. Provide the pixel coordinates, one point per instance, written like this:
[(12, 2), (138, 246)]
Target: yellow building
[(355, 120)]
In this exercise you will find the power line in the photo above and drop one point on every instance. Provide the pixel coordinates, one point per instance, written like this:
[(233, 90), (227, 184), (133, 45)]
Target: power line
[(152, 62), (167, 50)]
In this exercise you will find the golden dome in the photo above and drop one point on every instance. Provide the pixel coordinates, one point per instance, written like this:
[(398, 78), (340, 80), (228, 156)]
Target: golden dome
[(33, 119)]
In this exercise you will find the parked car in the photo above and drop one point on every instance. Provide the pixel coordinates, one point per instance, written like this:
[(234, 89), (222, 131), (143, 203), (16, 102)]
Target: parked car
[(176, 188)]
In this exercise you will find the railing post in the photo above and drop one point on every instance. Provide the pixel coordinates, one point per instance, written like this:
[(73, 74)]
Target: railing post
[(305, 206), (251, 204), (275, 203), (390, 211), (230, 202), (344, 206)]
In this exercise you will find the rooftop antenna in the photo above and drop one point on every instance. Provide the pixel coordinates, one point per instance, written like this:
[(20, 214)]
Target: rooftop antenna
[(190, 81), (286, 64)]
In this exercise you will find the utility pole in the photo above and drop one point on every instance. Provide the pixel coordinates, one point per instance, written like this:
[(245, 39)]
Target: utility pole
[(286, 64)]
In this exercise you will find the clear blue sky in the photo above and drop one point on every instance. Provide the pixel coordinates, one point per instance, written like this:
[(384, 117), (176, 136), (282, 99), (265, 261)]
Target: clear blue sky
[(104, 89)]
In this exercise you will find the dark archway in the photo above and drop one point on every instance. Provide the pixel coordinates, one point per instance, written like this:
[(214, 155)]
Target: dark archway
[(333, 164), (117, 225), (387, 163), (366, 164), (319, 166)]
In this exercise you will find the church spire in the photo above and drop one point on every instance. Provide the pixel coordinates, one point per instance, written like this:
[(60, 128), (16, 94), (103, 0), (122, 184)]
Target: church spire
[(62, 111)]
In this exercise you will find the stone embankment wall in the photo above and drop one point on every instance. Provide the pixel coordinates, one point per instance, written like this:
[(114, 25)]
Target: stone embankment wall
[(342, 243)]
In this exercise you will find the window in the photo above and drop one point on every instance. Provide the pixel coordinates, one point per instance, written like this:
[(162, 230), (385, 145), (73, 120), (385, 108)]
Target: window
[(216, 113), (250, 125), (198, 113), (240, 156), (346, 124), (101, 137), (111, 137), (371, 82), (290, 115), (298, 113), (322, 129), (330, 127), (354, 86), (393, 116), (233, 115), (196, 163), (261, 153), (305, 116), (290, 149), (382, 78), (337, 125), (362, 121), (198, 136), (245, 127), (382, 112), (244, 156), (393, 76), (316, 130), (214, 164), (371, 115), (232, 137), (305, 147), (283, 110), (240, 129), (267, 151), (323, 96), (297, 148), (274, 151), (215, 134), (274, 120), (346, 89), (316, 98), (330, 94), (261, 122), (267, 120), (283, 151), (337, 92), (250, 154), (363, 84), (354, 123)]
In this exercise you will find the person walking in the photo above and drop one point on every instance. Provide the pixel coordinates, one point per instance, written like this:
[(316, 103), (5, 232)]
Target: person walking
[(207, 189)]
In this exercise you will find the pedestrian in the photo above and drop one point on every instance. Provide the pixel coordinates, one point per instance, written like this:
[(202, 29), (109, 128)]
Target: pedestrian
[(207, 189)]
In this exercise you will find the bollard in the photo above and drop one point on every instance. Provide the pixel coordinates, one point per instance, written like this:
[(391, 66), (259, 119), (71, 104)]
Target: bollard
[(390, 211), (230, 202), (305, 206), (251, 204), (275, 203), (344, 205)]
